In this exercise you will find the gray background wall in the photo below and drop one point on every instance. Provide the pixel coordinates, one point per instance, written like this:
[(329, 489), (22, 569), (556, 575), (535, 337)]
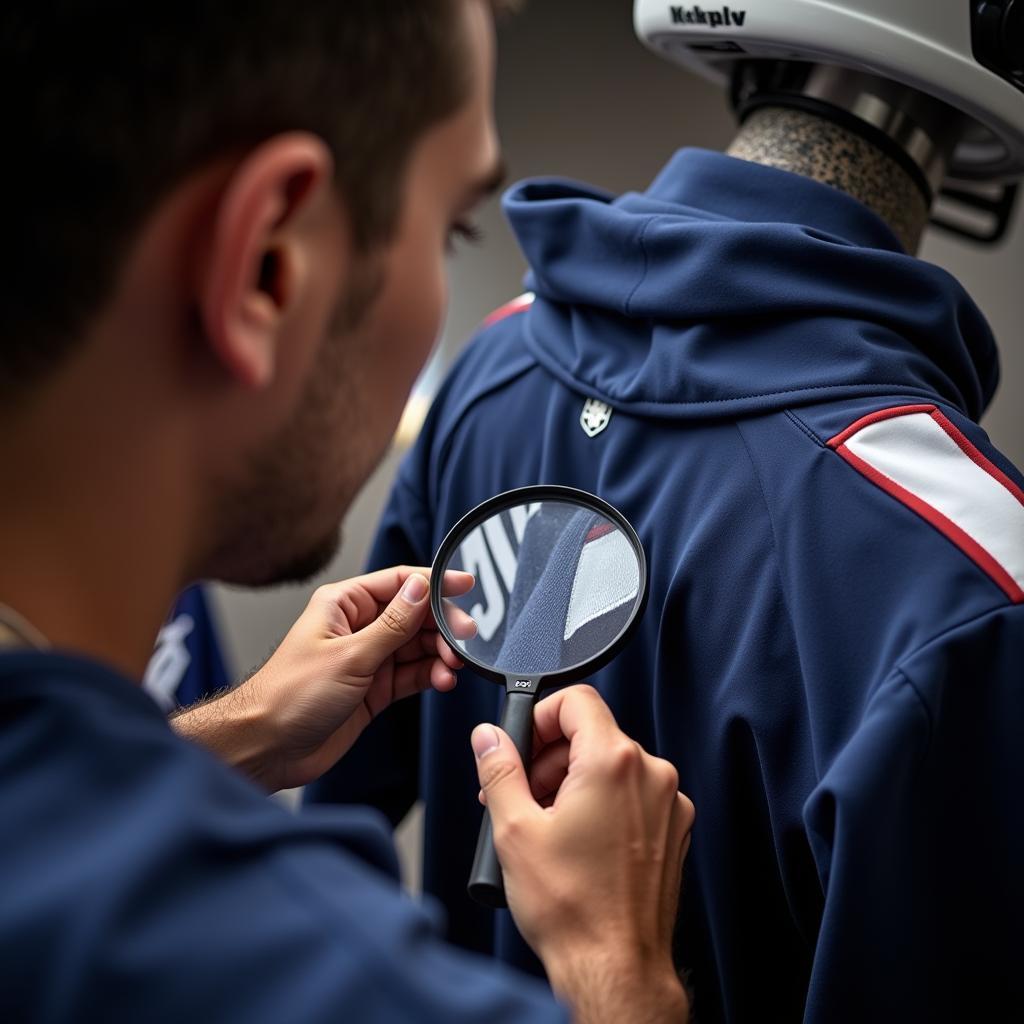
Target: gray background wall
[(579, 97)]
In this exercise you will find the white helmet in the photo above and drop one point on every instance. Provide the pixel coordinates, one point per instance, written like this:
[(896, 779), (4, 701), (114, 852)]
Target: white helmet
[(967, 53)]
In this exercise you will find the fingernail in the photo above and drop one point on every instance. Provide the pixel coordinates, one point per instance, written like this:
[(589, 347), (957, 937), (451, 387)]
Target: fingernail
[(484, 740), (415, 589)]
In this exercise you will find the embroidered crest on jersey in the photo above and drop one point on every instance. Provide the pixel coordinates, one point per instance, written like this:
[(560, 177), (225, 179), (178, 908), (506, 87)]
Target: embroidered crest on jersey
[(918, 455), (595, 417)]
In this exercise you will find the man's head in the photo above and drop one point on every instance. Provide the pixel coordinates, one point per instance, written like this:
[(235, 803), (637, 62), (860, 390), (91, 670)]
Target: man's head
[(237, 214)]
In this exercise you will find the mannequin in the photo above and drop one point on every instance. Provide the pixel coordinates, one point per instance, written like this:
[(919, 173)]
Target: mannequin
[(849, 130)]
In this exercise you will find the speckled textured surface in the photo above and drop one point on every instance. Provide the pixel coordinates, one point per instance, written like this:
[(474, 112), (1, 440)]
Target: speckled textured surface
[(816, 148)]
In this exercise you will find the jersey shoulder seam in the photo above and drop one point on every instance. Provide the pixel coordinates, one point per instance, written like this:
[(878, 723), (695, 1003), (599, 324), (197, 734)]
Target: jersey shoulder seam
[(780, 580), (900, 670)]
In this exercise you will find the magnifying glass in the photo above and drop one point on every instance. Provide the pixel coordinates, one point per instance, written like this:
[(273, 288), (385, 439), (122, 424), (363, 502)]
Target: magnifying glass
[(561, 582)]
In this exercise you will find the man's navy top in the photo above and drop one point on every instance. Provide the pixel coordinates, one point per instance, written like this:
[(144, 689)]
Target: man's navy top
[(143, 880), (785, 406)]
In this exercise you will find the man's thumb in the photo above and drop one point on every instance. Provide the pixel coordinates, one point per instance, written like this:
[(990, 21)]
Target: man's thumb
[(500, 770), (396, 625)]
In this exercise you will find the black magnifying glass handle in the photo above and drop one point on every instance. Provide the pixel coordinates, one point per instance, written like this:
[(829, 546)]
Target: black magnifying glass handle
[(485, 880)]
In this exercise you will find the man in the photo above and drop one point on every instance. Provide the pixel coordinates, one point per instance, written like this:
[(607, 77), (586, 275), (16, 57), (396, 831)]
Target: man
[(224, 268), (750, 363)]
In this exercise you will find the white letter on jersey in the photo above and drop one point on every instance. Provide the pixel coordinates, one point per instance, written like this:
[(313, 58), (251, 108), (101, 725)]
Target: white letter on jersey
[(477, 560), (170, 661)]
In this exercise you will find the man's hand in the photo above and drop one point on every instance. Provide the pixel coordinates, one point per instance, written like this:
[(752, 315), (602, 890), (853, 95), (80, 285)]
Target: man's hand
[(359, 646), (591, 847)]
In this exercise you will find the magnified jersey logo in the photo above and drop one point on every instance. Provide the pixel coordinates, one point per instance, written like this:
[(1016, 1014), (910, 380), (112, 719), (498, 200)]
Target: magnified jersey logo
[(595, 417)]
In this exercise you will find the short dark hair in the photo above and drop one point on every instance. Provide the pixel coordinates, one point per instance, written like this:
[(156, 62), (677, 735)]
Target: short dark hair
[(108, 104)]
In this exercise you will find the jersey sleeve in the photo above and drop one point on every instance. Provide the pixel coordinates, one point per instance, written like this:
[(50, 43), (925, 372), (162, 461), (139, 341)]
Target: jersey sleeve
[(225, 908), (382, 768), (918, 833), (314, 939)]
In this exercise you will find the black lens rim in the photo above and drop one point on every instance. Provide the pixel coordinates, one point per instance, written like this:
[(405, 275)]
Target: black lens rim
[(526, 496)]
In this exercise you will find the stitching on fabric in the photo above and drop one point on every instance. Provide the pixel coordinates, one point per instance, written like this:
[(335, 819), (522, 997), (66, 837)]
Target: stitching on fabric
[(976, 455), (899, 667), (775, 548), (804, 428), (870, 388), (641, 242), (789, 617), (892, 412), (898, 672)]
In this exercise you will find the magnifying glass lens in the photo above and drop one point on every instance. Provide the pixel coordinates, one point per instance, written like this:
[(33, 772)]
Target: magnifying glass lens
[(560, 582)]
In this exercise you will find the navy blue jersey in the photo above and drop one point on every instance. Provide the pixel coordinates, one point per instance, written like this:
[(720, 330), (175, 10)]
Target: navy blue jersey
[(142, 880), (187, 664), (785, 406)]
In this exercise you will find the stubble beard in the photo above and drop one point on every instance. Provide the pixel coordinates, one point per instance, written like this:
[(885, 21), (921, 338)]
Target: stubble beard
[(282, 514)]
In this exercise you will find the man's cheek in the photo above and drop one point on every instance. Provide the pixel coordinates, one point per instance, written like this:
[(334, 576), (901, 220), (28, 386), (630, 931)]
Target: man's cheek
[(436, 305), (422, 319)]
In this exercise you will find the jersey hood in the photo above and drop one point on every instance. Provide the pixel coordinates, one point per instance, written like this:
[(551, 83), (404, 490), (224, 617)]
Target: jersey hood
[(729, 288)]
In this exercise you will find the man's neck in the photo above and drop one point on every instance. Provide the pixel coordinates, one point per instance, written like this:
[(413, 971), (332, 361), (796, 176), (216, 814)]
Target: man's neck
[(814, 147), (92, 533)]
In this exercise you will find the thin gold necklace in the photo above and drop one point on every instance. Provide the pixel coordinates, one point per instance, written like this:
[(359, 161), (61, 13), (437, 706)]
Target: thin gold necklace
[(19, 631)]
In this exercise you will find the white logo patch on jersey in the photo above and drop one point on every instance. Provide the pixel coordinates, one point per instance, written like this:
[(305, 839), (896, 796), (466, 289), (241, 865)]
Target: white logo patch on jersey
[(917, 455), (595, 417)]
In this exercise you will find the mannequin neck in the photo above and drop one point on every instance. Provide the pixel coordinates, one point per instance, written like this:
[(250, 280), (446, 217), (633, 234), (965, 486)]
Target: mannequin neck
[(810, 145)]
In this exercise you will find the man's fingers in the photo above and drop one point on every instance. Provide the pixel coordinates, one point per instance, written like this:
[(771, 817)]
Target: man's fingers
[(684, 816), (429, 644), (442, 678), (502, 779), (360, 597), (383, 585), (577, 712), (457, 583), (451, 658), (461, 625), (396, 625), (423, 644), (416, 676), (680, 826), (549, 768)]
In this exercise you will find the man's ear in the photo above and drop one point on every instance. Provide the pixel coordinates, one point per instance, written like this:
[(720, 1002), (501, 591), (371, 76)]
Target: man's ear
[(253, 261)]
